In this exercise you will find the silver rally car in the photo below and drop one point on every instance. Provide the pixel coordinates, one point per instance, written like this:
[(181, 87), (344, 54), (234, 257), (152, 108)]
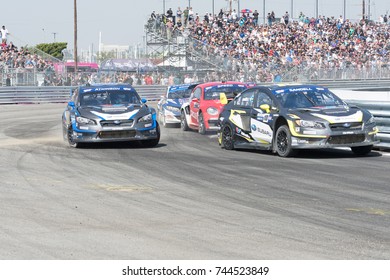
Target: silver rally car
[(109, 113), (287, 118)]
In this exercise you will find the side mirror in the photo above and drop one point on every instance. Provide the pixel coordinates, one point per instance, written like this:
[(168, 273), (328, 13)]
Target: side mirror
[(71, 103), (223, 98), (194, 99), (265, 107), (144, 100)]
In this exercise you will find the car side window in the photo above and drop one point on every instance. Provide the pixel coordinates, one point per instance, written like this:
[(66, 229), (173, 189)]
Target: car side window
[(246, 99), (197, 93), (263, 98)]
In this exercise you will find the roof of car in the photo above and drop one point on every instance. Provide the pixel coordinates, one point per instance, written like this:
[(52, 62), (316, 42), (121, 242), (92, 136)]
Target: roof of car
[(106, 86), (283, 87), (210, 84)]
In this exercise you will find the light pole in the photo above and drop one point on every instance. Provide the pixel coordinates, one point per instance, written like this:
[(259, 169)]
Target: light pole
[(213, 9), (316, 8), (163, 7), (75, 36), (54, 36), (263, 11), (345, 9), (292, 9)]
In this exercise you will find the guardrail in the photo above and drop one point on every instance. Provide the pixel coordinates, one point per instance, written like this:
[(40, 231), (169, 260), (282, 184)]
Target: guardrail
[(381, 112), (23, 95), (378, 103)]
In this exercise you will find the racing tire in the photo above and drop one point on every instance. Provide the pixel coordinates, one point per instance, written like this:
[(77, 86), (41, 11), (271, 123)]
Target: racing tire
[(282, 144), (71, 142), (362, 150), (183, 122), (227, 137), (152, 142), (201, 125)]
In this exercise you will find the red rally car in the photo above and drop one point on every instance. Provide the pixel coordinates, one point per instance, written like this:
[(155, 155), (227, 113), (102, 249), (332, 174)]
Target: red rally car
[(205, 103)]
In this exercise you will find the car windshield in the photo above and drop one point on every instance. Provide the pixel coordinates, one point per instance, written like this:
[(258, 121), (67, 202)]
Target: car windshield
[(179, 93), (307, 98), (117, 97), (214, 92)]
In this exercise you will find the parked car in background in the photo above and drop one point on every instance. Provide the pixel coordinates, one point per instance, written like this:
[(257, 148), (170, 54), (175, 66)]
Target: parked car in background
[(168, 107), (204, 105), (109, 113), (287, 118)]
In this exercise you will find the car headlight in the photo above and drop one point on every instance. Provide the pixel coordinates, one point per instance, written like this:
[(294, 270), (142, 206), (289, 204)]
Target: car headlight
[(310, 124), (212, 111), (146, 118), (82, 120), (172, 108)]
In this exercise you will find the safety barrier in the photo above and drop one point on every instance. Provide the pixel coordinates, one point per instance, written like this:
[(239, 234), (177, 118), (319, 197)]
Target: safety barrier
[(23, 95), (377, 102), (381, 112)]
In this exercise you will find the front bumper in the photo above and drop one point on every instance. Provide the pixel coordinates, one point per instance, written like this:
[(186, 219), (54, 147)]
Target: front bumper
[(115, 135), (172, 117), (334, 141)]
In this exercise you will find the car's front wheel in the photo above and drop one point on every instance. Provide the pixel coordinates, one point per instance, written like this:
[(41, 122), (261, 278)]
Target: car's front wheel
[(183, 121), (282, 142), (71, 141), (202, 127), (227, 137), (362, 150), (152, 142)]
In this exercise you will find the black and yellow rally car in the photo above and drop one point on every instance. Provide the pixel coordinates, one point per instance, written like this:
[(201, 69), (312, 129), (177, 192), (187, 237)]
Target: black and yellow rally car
[(286, 118)]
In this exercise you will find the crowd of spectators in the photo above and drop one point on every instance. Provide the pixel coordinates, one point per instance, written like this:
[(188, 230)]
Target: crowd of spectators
[(241, 46), (313, 47)]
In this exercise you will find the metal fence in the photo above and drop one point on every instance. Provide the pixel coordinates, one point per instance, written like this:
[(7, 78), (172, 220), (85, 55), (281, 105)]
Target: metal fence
[(37, 95)]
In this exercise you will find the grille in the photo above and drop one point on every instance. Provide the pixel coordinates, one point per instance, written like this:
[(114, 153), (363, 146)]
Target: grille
[(120, 134), (116, 123), (346, 126), (346, 139)]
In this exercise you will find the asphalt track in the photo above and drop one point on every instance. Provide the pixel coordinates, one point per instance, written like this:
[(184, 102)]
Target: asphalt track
[(185, 199)]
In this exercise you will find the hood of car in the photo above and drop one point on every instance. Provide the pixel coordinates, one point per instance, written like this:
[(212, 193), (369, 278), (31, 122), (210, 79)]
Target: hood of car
[(118, 112), (334, 114), (176, 102)]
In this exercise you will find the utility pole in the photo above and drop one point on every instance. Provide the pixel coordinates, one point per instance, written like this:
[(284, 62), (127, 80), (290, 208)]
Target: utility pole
[(263, 11), (75, 36), (54, 36), (345, 9), (364, 10), (292, 10)]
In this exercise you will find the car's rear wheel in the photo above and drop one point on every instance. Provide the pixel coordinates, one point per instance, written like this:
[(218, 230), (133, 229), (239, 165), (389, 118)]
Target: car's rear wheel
[(72, 143), (152, 142), (201, 127), (183, 121), (362, 150), (282, 143), (227, 138)]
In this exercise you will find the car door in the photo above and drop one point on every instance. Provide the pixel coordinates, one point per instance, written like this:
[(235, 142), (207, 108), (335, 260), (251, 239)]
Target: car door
[(243, 109), (261, 118), (194, 105)]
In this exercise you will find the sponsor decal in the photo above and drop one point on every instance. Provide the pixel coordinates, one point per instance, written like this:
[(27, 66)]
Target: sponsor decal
[(299, 89), (253, 127)]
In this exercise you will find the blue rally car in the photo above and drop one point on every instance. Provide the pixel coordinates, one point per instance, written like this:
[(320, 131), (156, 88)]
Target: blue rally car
[(168, 108), (109, 113), (287, 118)]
